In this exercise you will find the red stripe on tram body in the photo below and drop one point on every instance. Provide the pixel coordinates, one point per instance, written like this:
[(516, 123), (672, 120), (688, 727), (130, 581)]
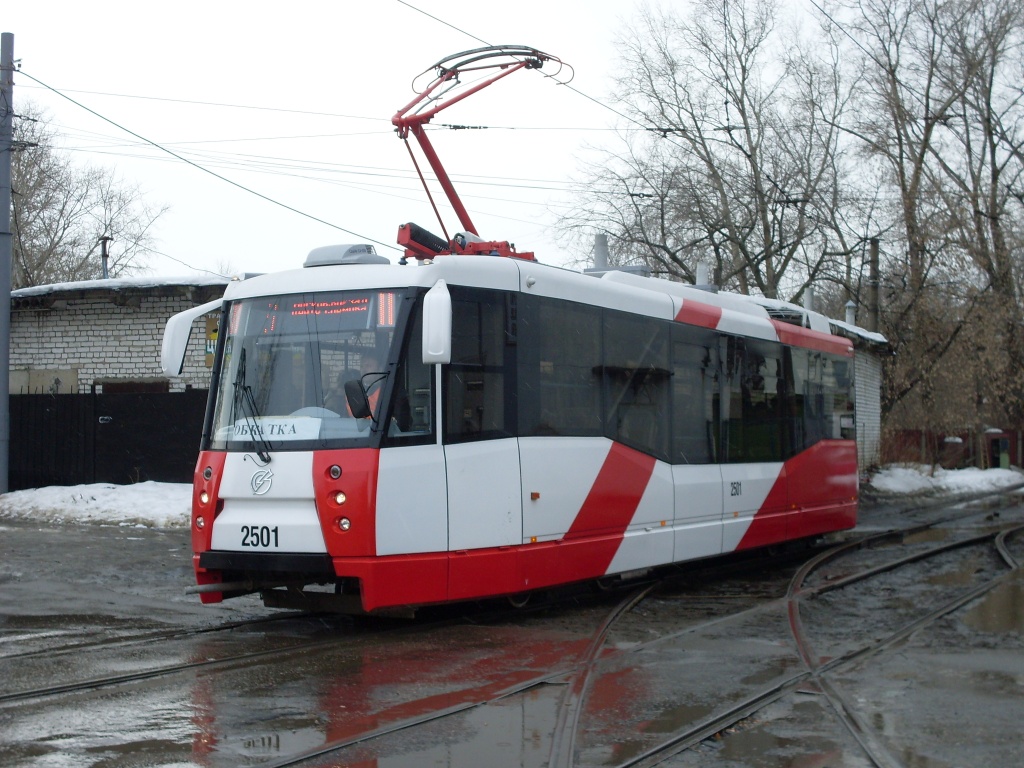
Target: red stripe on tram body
[(696, 313), (611, 505)]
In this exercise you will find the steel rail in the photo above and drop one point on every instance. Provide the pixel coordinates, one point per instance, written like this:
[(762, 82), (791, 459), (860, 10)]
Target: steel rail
[(861, 732), (144, 638)]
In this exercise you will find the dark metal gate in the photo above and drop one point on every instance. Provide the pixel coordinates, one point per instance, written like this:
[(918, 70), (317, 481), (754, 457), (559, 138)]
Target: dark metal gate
[(111, 438)]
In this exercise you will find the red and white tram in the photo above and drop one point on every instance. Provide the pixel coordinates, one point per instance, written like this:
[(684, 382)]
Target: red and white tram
[(482, 425)]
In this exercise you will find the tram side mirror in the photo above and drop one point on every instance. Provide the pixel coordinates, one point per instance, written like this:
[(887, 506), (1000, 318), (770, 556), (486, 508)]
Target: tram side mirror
[(176, 333), (358, 402), (437, 325)]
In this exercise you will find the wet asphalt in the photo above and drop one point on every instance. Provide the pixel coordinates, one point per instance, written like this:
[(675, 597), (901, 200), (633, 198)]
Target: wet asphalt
[(83, 603)]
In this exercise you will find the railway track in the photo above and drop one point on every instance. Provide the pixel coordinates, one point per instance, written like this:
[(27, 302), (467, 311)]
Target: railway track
[(496, 663), (807, 674)]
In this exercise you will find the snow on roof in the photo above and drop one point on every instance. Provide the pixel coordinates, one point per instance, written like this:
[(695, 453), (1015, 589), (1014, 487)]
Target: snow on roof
[(121, 283), (856, 330)]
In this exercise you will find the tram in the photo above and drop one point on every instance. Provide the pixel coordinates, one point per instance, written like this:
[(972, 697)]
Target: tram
[(383, 436)]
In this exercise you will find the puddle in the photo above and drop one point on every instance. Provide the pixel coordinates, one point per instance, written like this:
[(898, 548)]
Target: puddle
[(1001, 610), (771, 672), (928, 536), (963, 576)]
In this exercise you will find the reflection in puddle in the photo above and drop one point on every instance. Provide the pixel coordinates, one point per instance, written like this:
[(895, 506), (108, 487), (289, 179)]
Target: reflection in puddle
[(510, 733), (786, 739)]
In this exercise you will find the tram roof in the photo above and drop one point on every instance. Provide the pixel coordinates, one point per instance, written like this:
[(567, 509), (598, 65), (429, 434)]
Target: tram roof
[(654, 297)]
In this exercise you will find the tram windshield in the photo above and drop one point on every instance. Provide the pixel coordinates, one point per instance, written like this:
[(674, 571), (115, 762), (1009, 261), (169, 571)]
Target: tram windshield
[(286, 360)]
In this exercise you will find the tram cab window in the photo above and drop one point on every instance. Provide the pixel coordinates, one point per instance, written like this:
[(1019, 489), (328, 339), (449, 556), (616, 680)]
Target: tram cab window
[(478, 399), (281, 358)]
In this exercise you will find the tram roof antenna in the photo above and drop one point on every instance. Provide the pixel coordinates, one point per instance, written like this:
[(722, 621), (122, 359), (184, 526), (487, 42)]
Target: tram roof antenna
[(504, 59)]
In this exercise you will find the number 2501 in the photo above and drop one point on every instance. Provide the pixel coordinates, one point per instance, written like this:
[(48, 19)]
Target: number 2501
[(259, 536)]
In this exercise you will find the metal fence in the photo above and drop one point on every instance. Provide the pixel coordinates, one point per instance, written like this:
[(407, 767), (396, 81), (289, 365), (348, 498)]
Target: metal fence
[(104, 438)]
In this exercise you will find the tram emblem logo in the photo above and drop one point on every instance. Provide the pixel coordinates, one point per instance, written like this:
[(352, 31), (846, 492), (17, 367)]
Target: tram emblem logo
[(260, 481)]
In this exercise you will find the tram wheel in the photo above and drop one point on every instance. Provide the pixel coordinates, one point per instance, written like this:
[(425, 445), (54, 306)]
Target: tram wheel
[(520, 600)]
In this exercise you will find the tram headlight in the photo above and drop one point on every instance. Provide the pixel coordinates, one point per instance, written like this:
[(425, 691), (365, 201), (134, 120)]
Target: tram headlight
[(204, 498), (200, 523), (340, 498), (344, 523)]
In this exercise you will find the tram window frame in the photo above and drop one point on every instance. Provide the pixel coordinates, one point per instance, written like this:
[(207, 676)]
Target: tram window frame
[(479, 382)]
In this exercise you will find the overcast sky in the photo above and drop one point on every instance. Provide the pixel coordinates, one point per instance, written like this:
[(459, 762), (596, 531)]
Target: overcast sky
[(320, 82)]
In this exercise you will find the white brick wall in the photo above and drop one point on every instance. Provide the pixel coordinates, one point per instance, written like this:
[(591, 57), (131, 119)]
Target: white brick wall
[(868, 395), (105, 341)]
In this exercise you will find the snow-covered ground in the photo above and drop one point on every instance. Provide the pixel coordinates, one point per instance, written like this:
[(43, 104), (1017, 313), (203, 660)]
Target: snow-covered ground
[(166, 505), (919, 479), (152, 505)]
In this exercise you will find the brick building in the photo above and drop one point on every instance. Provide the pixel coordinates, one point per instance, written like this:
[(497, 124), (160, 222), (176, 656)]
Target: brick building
[(89, 400), (105, 335)]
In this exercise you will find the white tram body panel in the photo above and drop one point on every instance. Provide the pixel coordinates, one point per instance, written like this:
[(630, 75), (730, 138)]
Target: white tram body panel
[(557, 475), (268, 509), (485, 507), (412, 501)]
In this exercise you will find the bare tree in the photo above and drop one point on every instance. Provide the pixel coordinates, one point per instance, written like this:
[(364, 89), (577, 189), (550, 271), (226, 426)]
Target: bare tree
[(61, 210), (739, 162), (934, 118)]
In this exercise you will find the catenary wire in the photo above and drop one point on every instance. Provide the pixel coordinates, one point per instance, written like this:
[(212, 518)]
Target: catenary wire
[(208, 171)]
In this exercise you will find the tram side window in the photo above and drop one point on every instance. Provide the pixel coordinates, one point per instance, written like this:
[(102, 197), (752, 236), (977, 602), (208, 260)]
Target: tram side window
[(412, 416), (753, 398), (816, 418), (636, 377), (731, 414), (477, 402), (694, 395), (559, 368), (763, 388), (837, 375), (822, 401)]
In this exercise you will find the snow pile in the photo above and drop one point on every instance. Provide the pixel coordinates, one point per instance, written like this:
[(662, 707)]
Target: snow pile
[(149, 504), (919, 478)]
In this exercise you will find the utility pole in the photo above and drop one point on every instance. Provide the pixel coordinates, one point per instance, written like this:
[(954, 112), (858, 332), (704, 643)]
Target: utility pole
[(6, 246)]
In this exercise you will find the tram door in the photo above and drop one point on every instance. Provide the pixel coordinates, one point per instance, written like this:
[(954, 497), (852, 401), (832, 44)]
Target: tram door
[(480, 451)]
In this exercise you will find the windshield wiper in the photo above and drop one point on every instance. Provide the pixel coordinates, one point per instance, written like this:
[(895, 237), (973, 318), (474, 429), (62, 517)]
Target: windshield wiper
[(246, 403)]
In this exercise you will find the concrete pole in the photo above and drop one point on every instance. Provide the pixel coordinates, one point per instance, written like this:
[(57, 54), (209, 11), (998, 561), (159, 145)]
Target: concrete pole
[(601, 255), (6, 247)]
